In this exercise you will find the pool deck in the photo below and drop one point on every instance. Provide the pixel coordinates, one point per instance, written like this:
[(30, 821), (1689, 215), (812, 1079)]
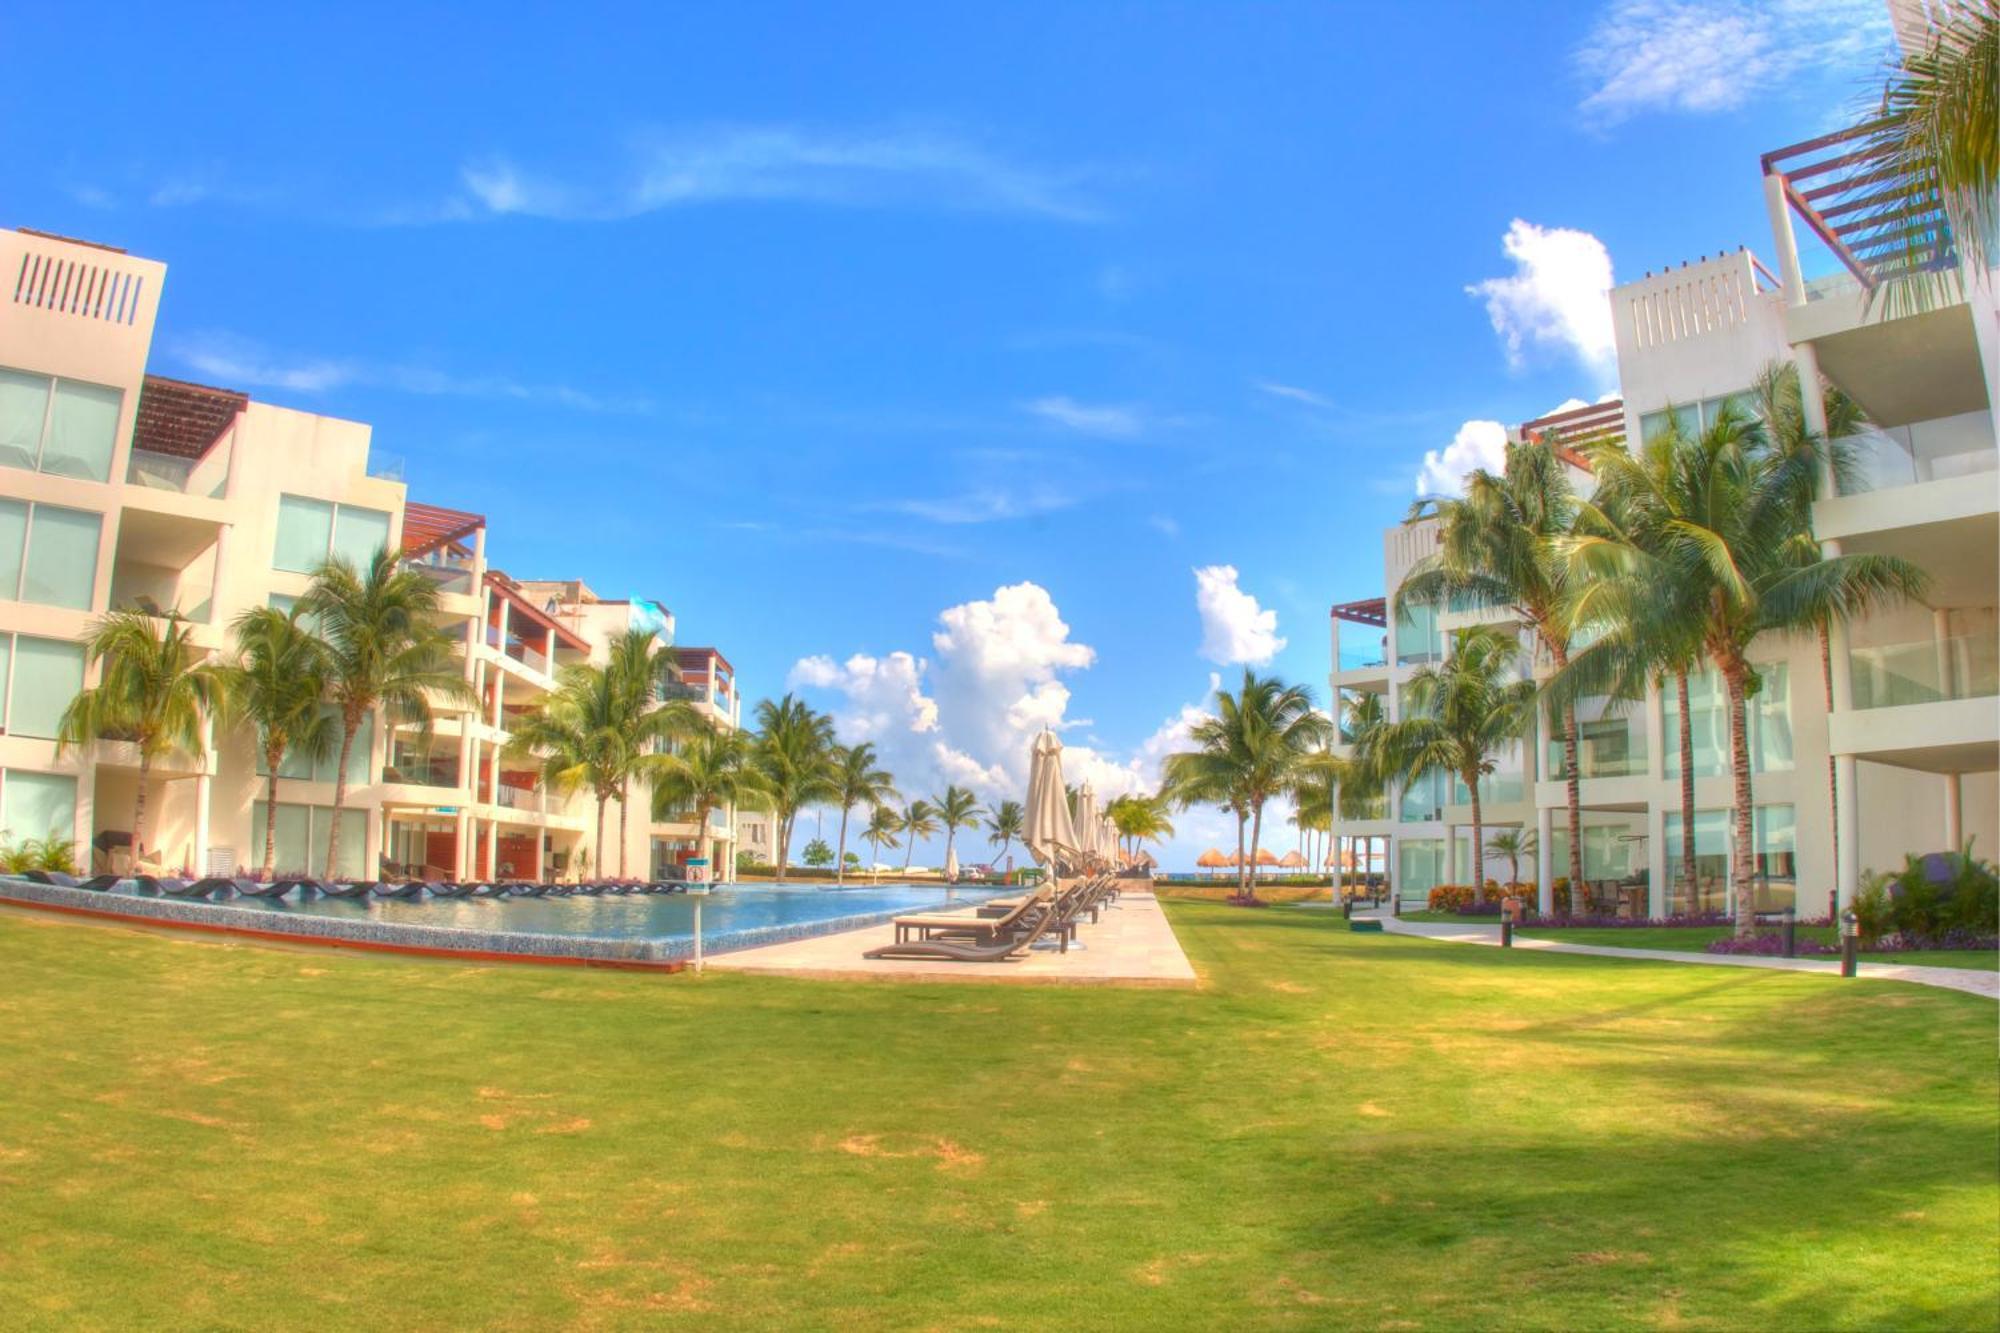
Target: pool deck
[(1132, 944)]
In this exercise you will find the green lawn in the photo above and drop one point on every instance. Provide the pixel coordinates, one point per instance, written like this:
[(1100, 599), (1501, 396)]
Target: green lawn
[(1336, 1130)]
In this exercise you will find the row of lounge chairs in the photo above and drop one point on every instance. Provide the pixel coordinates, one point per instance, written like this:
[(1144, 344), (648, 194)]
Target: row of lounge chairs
[(217, 886), (1003, 929)]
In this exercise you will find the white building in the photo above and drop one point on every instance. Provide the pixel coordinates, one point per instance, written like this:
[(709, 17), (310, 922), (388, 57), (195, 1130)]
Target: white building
[(125, 490), (1913, 731)]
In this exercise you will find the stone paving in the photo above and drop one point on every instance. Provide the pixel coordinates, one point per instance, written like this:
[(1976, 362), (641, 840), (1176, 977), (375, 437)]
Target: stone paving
[(1131, 945), (1970, 980)]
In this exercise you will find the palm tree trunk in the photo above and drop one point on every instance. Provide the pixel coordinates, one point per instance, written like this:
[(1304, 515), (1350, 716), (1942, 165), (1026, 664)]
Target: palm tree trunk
[(139, 807), (1687, 793), (602, 796), (1242, 861), (273, 756), (624, 812), (701, 842), (1832, 765), (1478, 839), (909, 852), (784, 847), (1573, 800), (840, 857), (1256, 836), (1742, 856), (348, 726)]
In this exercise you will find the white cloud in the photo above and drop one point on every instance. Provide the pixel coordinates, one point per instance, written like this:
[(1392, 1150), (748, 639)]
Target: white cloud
[(887, 169), (1555, 297), (241, 363), (1164, 524), (1478, 444), (1109, 420), (1701, 56), (1293, 392), (985, 506), (1234, 628)]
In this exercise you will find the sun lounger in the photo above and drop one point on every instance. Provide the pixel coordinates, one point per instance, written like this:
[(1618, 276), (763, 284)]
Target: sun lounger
[(180, 888), (998, 950), (451, 890), (357, 889), (53, 878), (306, 888), (101, 883), (487, 890), (277, 888), (410, 889), (924, 926)]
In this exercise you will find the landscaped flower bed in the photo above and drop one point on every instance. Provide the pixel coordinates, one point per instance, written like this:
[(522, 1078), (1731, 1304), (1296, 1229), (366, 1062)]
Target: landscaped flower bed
[(1768, 945)]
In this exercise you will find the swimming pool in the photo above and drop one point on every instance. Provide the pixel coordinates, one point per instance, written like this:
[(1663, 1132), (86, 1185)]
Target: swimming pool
[(625, 928)]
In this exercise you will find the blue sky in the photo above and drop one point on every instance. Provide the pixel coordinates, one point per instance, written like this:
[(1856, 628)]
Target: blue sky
[(832, 327)]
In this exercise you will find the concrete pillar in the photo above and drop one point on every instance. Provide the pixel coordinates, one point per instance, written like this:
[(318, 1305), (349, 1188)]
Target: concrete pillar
[(1545, 871), (203, 787), (1941, 640), (1786, 242), (1656, 859), (492, 847), (1954, 811), (461, 842)]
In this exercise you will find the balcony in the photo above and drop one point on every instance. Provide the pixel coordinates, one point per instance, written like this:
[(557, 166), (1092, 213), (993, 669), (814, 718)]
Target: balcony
[(184, 438), (416, 771), (1931, 670), (531, 658), (450, 575), (165, 562)]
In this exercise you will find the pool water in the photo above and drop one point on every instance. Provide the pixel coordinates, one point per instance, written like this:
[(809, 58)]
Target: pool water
[(730, 917)]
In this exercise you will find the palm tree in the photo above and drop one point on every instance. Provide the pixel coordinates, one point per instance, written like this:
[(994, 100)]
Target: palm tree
[(1513, 843), (1938, 140), (277, 685), (152, 690), (883, 826), (1720, 516), (793, 746), (1501, 546), (639, 669), (712, 770), (1250, 750), (1456, 716), (1005, 825), (1140, 819), (858, 779), (956, 809), (576, 735), (919, 820), (383, 651)]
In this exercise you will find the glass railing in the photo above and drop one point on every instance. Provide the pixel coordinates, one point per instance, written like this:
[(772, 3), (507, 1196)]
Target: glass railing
[(448, 578), (1963, 666), (515, 798), (150, 604), (208, 475), (386, 467), (1934, 450), (422, 772)]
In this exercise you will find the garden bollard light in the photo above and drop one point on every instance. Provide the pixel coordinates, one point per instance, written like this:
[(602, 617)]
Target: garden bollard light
[(1850, 936), (1791, 933)]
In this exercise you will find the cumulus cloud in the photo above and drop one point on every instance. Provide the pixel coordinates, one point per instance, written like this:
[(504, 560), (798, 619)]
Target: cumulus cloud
[(1234, 628), (1478, 444), (1700, 56), (1555, 298)]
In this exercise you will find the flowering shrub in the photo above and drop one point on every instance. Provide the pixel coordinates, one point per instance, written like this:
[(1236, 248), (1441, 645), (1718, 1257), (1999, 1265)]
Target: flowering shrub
[(1563, 920), (1769, 944), (1772, 945), (1458, 897)]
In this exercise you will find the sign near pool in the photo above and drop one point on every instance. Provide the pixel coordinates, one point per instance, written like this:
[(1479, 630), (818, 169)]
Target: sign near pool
[(697, 870)]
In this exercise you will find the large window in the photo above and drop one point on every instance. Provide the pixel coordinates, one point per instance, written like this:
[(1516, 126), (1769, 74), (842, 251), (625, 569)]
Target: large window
[(311, 532), (1774, 840), (1419, 867), (48, 554), (1609, 850), (38, 678), (1613, 746), (301, 837), (1417, 638), (63, 427), (37, 805), (1768, 716), (1422, 801), (1694, 418)]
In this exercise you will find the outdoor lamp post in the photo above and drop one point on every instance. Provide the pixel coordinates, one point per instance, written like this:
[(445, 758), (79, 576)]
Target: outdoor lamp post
[(1850, 938)]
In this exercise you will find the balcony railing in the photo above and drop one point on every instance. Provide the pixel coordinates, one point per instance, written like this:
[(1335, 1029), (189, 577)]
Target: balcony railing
[(422, 772), (449, 577), (517, 650), (515, 798), (208, 475), (1946, 447), (1962, 666)]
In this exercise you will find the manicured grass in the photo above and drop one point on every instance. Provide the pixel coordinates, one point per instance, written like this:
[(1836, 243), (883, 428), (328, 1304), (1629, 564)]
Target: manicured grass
[(1695, 939), (1280, 894), (1336, 1130)]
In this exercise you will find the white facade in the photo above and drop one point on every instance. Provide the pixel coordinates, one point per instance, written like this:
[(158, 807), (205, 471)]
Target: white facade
[(120, 490)]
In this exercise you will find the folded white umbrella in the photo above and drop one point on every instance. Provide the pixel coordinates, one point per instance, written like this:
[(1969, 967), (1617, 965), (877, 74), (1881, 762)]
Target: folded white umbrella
[(1047, 830), (1088, 829)]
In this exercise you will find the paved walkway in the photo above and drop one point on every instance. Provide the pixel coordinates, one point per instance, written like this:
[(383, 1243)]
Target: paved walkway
[(1970, 980), (1131, 945)]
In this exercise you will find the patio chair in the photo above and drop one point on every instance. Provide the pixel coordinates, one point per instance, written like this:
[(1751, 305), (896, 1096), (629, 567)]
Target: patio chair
[(1001, 950)]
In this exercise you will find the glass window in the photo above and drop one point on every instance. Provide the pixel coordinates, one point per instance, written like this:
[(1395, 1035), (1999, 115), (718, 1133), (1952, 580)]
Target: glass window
[(47, 675), (62, 557), (1419, 866), (358, 534), (1422, 801), (83, 429), (13, 542), (24, 406), (37, 805), (305, 534), (1774, 838), (1417, 634), (1768, 716), (358, 758), (1771, 721), (293, 839), (1608, 851), (353, 860)]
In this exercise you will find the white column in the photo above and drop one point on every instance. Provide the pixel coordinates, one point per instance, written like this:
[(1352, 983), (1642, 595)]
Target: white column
[(1656, 859), (1847, 827), (202, 789), (1545, 873), (492, 848), (1787, 243), (1954, 811)]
